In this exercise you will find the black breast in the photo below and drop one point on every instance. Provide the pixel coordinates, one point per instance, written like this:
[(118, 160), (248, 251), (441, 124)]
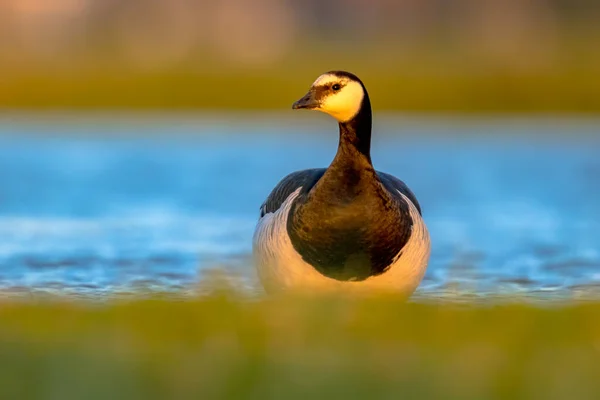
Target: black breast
[(350, 233)]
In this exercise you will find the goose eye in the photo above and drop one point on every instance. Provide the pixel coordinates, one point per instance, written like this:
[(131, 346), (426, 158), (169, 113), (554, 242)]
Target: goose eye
[(336, 87)]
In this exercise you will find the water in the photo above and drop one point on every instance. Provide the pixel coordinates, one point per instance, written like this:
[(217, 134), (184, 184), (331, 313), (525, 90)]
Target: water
[(96, 206)]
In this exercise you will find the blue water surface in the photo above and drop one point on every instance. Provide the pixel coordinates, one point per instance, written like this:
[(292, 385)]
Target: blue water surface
[(102, 205)]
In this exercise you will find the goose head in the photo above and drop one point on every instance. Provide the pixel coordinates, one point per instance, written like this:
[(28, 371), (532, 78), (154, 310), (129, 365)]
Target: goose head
[(337, 93)]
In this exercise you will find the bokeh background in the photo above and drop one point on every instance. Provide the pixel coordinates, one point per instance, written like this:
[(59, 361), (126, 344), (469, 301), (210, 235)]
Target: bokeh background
[(138, 139), (460, 55)]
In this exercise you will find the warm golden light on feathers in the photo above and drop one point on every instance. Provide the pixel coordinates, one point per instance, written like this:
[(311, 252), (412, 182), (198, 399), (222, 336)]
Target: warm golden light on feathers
[(344, 104)]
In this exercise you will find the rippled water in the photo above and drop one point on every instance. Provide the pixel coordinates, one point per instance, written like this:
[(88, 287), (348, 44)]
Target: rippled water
[(95, 206)]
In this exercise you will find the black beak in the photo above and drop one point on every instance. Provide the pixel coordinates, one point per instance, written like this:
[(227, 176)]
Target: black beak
[(308, 101)]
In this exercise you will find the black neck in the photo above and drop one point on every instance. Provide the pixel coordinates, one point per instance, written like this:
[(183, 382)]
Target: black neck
[(355, 135)]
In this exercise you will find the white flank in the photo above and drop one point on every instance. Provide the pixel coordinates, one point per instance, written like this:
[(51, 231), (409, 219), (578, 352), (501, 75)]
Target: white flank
[(281, 268)]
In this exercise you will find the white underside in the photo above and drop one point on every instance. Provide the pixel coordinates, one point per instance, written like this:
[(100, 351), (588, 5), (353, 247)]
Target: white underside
[(280, 267)]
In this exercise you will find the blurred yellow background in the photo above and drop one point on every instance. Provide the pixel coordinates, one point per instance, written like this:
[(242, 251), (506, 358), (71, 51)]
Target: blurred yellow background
[(99, 216), (414, 55)]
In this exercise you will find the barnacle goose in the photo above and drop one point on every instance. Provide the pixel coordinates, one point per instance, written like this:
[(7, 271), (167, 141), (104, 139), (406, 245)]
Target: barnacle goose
[(347, 226)]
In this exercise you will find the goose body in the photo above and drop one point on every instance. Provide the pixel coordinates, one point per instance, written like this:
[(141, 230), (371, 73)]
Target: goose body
[(347, 226)]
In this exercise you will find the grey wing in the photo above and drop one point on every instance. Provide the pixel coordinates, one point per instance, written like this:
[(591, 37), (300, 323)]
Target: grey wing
[(392, 183), (306, 179)]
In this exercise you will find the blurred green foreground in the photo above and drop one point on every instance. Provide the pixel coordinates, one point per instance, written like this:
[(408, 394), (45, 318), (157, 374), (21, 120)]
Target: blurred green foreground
[(297, 348)]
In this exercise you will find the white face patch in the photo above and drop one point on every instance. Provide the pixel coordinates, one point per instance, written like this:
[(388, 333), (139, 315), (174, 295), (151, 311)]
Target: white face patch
[(326, 79), (344, 104)]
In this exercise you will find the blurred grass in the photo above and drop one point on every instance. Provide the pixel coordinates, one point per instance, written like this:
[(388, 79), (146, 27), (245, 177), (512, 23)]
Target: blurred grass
[(424, 86), (221, 346)]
